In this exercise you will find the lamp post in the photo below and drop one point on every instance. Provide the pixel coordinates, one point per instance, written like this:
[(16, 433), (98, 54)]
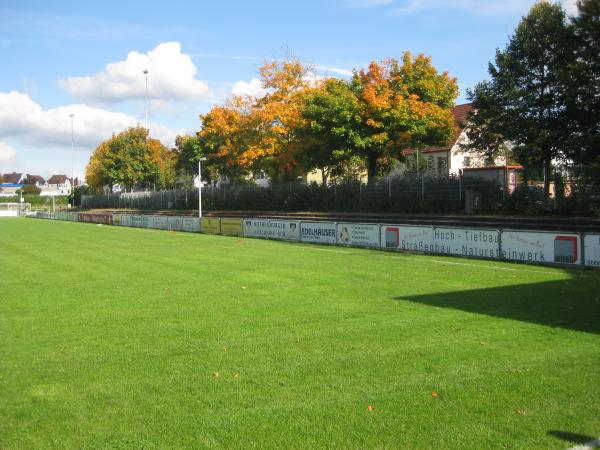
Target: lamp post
[(72, 155), (200, 187), (145, 72)]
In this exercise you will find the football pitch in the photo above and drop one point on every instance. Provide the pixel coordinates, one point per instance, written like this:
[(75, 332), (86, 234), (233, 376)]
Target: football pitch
[(125, 338)]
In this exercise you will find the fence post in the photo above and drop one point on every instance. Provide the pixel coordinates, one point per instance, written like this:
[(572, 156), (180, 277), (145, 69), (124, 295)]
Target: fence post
[(390, 188), (423, 187), (459, 191)]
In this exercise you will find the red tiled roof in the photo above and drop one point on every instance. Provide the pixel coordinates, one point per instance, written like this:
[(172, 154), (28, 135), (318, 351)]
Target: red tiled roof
[(12, 178), (57, 179), (35, 179), (461, 113)]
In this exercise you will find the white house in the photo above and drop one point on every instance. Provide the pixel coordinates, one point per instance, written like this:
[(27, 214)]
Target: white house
[(57, 185), (450, 159)]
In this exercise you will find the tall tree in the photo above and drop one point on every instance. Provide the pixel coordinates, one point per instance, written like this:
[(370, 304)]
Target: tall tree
[(224, 139), (276, 118), (584, 85), (331, 114), (131, 159), (524, 102), (403, 105)]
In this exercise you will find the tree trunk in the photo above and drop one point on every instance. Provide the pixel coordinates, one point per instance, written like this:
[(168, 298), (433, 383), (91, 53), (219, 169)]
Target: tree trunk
[(547, 167), (371, 168), (324, 177)]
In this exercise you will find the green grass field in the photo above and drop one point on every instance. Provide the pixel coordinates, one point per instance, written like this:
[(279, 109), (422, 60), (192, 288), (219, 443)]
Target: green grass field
[(121, 338)]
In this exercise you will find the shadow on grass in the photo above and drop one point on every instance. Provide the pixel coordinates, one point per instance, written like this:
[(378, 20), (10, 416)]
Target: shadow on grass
[(573, 304), (571, 437)]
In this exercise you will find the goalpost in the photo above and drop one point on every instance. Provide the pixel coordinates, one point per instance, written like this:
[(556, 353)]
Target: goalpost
[(14, 209)]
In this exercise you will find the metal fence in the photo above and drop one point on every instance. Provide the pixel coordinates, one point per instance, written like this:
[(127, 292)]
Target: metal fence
[(408, 195)]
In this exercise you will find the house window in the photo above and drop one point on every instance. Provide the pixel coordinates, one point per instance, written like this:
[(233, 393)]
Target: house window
[(467, 161), (430, 163), (442, 166)]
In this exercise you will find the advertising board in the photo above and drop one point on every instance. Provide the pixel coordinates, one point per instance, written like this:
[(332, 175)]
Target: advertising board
[(210, 225), (191, 224), (125, 220), (540, 247), (140, 221), (232, 227), (318, 232), (591, 244), (358, 234), (287, 230), (160, 222), (105, 219), (477, 242), (407, 238), (175, 223)]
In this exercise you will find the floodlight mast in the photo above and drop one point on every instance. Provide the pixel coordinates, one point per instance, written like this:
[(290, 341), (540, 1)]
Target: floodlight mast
[(145, 72), (72, 157)]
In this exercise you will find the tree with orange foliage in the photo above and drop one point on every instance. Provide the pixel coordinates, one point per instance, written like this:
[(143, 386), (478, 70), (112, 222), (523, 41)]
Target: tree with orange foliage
[(402, 106), (131, 159), (225, 138), (276, 118)]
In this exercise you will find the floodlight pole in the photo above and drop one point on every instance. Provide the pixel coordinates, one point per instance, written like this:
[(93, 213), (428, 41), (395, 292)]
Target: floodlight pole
[(200, 187), (72, 157), (145, 72)]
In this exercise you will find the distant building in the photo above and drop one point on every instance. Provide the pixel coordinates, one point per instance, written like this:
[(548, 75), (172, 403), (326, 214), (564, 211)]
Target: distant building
[(57, 185), (11, 183), (451, 159), (13, 178), (505, 176), (36, 180)]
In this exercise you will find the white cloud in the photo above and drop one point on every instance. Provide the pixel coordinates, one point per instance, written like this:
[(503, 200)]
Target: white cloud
[(7, 153), (336, 70), (570, 7), (254, 88), (474, 6), (171, 76), (24, 120), (368, 3), (404, 7)]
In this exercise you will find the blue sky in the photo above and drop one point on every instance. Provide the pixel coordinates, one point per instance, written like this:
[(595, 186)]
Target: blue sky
[(87, 58)]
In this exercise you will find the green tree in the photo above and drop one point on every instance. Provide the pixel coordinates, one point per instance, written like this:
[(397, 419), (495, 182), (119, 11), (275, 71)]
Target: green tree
[(188, 151), (403, 105), (584, 85), (524, 102), (131, 159), (331, 113), (31, 189)]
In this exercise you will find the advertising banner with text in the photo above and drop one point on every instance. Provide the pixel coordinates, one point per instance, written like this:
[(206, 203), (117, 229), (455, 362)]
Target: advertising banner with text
[(210, 225), (480, 243), (287, 230), (232, 227), (407, 238), (540, 247), (591, 244), (358, 234), (318, 232)]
